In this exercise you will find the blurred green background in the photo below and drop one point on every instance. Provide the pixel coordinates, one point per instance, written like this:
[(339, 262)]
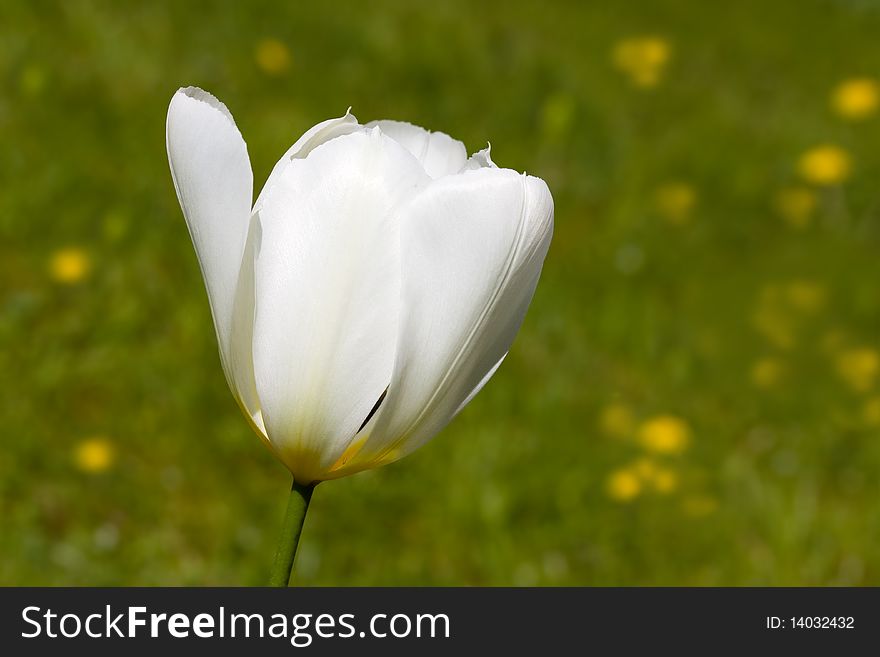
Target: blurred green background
[(694, 398)]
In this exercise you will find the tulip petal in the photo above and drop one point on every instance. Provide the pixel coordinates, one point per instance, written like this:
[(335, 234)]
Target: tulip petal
[(328, 294), (241, 338), (214, 184), (472, 250), (480, 159), (310, 140), (479, 386), (440, 154)]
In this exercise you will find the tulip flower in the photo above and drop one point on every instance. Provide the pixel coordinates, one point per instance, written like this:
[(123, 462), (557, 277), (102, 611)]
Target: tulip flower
[(370, 291)]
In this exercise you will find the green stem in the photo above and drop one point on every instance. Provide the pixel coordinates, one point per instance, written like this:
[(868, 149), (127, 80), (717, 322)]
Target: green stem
[(297, 505)]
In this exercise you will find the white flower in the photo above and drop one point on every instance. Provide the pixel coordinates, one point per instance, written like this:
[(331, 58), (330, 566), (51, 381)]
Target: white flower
[(371, 290)]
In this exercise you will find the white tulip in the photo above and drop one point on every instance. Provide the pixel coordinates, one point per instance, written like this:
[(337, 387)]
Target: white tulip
[(371, 290)]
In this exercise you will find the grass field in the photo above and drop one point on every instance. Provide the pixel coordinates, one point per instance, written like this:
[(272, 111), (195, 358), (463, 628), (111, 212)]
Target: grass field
[(694, 397)]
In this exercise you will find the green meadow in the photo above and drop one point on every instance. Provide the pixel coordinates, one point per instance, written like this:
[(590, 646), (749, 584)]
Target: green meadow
[(694, 398)]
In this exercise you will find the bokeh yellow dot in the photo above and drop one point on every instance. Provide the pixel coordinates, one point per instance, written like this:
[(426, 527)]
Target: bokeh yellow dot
[(675, 201), (773, 317), (623, 485), (70, 265), (664, 434), (645, 469), (272, 56), (642, 59), (871, 412), (698, 506), (856, 99), (94, 455), (617, 421), (825, 165), (655, 477), (858, 368), (806, 296), (664, 481), (870, 415), (767, 372), (776, 326), (796, 205)]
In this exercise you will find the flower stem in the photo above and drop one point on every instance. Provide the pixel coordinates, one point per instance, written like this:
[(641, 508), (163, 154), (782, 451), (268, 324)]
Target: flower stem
[(297, 505)]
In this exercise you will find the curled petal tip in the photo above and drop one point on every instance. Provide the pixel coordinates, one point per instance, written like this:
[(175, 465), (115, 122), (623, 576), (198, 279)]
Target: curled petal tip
[(348, 117), (198, 94)]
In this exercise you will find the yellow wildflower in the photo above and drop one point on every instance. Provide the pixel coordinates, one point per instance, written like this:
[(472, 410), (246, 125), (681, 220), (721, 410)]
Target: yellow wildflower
[(871, 412), (767, 372), (664, 481), (69, 265), (623, 485), (645, 469), (825, 165), (642, 59), (776, 326), (272, 56), (796, 205), (658, 478), (94, 455), (664, 434), (699, 505), (858, 368), (806, 296), (617, 421), (773, 318), (856, 99), (675, 201)]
